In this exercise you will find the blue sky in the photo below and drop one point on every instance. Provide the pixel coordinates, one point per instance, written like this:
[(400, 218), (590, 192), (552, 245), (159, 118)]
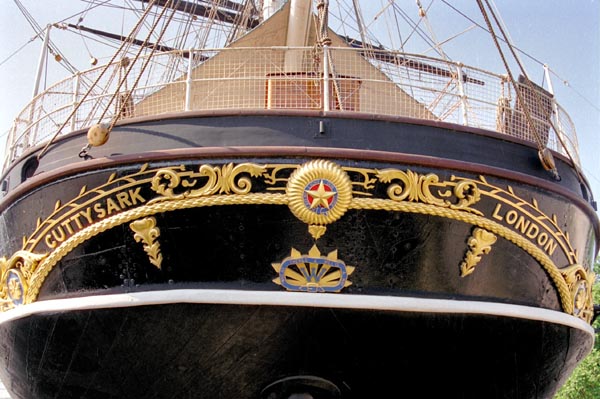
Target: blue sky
[(565, 34)]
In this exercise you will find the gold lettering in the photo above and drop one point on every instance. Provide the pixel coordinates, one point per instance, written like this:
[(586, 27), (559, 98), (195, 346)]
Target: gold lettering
[(87, 214), (550, 247), (75, 219), (511, 217), (50, 242), (496, 215), (99, 210), (542, 239), (111, 206), (67, 226), (533, 231), (59, 237), (522, 224), (123, 199), (526, 226), (135, 195)]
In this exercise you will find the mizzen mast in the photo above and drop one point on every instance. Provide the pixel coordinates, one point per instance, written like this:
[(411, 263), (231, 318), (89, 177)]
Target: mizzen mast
[(297, 33)]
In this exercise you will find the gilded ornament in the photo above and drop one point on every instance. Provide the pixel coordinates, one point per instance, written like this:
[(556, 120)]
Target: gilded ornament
[(480, 243), (467, 193), (209, 180), (313, 272), (16, 287), (146, 231), (17, 273), (413, 187), (319, 192), (317, 231), (580, 284)]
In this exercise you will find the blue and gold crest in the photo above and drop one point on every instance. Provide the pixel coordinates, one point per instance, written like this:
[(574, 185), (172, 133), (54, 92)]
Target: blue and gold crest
[(313, 272), (15, 287)]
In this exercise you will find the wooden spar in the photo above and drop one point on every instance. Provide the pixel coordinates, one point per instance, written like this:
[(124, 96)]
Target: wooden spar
[(224, 15), (227, 12), (137, 42), (399, 60)]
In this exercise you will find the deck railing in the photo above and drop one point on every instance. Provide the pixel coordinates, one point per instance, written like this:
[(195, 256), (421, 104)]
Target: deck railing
[(343, 79)]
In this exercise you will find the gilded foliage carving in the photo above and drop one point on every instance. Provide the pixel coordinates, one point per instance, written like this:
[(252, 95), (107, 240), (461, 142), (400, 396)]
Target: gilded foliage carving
[(146, 232), (428, 189), (17, 274), (480, 243), (580, 285), (319, 194), (209, 180)]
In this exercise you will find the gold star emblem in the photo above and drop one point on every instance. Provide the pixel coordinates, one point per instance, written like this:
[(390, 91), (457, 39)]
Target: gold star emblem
[(319, 193), (320, 196)]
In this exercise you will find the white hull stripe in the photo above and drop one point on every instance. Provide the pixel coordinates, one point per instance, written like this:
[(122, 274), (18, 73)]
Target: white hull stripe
[(279, 298)]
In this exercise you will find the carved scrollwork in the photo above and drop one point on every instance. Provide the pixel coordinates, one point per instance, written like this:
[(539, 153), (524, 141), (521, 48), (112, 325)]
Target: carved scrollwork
[(319, 193), (411, 188), (146, 231), (209, 180), (16, 275), (467, 194), (165, 181), (480, 243), (580, 284), (428, 189)]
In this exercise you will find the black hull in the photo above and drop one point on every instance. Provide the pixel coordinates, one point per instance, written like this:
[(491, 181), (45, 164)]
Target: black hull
[(228, 351), (494, 252), (398, 252)]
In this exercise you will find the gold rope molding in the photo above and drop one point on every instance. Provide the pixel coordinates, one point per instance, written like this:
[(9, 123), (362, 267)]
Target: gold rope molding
[(80, 237), (479, 221), (53, 258), (325, 189)]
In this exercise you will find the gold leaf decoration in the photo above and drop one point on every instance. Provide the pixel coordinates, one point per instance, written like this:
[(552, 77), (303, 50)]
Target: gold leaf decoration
[(465, 199), (580, 284), (319, 192), (317, 231), (313, 272), (209, 180), (146, 231), (480, 243), (17, 274), (111, 177), (428, 189)]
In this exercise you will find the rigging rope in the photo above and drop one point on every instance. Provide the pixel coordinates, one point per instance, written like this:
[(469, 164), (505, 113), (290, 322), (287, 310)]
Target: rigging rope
[(531, 57), (436, 44), (130, 66), (538, 98), (88, 92), (518, 91), (18, 50), (144, 66), (51, 46)]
